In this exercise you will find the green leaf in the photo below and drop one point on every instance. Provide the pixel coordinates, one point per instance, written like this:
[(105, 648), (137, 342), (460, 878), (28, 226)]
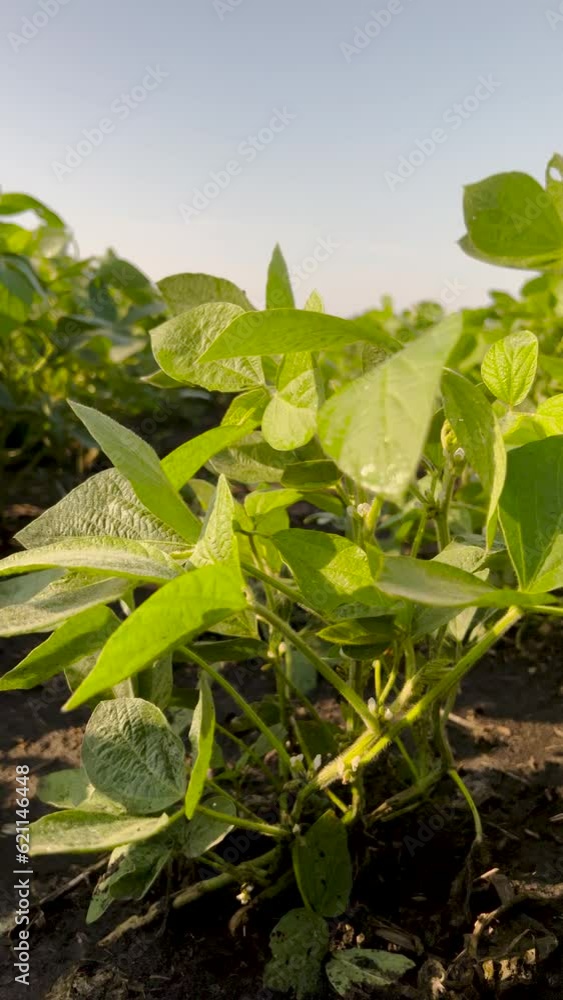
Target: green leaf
[(330, 570), (278, 288), (118, 556), (360, 632), (531, 514), (299, 942), (155, 684), (130, 754), (203, 833), (314, 303), (479, 434), (438, 584), (176, 613), (202, 738), (554, 182), (322, 865), (314, 474), (74, 832), (186, 291), (105, 504), (71, 789), (12, 203), (284, 331), (364, 966), (180, 346), (133, 869), (248, 407), (39, 601), (261, 502), (184, 462), (253, 460), (139, 463), (513, 222), (290, 419), (375, 428), (75, 639), (509, 367), (230, 650), (218, 543)]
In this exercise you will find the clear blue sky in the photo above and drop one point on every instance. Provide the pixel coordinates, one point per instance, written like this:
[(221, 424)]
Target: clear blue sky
[(230, 65)]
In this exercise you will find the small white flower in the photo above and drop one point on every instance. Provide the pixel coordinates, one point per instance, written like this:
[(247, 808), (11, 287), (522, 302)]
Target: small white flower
[(296, 829), (388, 715), (459, 454), (296, 759), (282, 648), (372, 706), (245, 893), (356, 763), (363, 509), (317, 762)]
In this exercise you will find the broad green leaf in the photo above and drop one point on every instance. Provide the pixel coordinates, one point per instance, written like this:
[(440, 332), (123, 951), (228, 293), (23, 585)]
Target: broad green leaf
[(290, 419), (330, 570), (230, 650), (12, 203), (531, 513), (252, 460), (184, 462), (298, 942), (73, 640), (16, 292), (479, 434), (155, 684), (118, 556), (261, 502), (139, 463), (360, 632), (435, 583), (105, 504), (278, 288), (71, 789), (177, 612), (509, 367), (375, 428), (185, 291), (322, 865), (365, 967), (218, 543), (180, 346), (314, 474), (202, 738), (39, 601), (74, 832), (133, 869), (130, 753), (204, 833), (513, 222), (248, 407), (284, 331)]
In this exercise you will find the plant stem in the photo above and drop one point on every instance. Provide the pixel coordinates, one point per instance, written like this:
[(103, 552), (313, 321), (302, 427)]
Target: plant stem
[(322, 667), (470, 802), (251, 753), (367, 747), (267, 829), (241, 702)]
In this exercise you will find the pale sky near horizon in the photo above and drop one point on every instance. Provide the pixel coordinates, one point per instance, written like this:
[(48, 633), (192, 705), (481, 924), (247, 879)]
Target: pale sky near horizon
[(182, 89)]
